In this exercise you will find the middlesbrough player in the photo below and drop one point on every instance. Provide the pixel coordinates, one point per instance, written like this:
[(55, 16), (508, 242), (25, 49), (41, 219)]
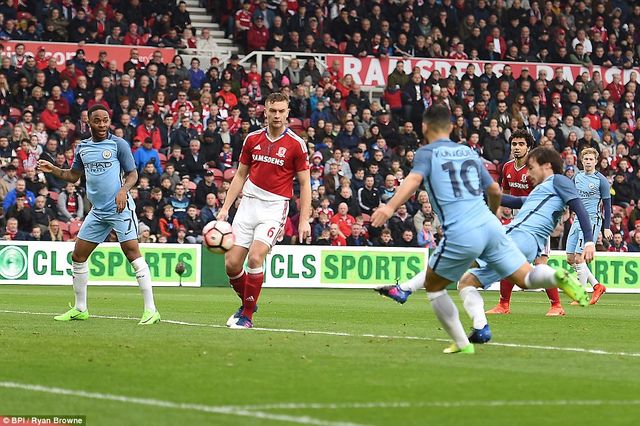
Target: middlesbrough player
[(595, 193), (516, 182), (270, 160)]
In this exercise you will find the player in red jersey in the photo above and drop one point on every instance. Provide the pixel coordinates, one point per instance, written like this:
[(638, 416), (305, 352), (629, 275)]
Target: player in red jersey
[(516, 182), (270, 160)]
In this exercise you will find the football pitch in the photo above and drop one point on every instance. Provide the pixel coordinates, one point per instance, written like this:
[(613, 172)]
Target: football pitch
[(318, 357)]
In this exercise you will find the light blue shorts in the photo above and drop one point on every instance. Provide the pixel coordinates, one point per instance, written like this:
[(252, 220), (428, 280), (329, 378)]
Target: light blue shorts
[(575, 240), (488, 243), (526, 245), (97, 225)]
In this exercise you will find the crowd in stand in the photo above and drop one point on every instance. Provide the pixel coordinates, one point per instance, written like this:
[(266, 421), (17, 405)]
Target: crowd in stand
[(186, 124)]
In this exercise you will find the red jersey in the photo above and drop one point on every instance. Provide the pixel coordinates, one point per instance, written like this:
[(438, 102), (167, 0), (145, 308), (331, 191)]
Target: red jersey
[(515, 180), (273, 164)]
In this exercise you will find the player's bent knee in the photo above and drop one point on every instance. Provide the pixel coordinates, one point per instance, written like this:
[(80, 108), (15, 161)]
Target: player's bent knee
[(468, 280), (78, 258)]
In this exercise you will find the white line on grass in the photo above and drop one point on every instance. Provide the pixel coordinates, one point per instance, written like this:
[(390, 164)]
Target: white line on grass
[(374, 336), (228, 410), (434, 404)]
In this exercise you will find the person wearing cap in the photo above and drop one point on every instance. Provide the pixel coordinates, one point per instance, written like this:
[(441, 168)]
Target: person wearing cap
[(147, 153), (148, 129), (205, 186), (258, 34)]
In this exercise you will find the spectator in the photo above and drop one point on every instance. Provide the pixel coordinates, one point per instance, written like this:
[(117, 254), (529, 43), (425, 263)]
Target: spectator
[(400, 222), (70, 204), (344, 220), (195, 161), (209, 210), (22, 213), (618, 244), (147, 154), (426, 237), (19, 190), (357, 237), (336, 236), (12, 233), (193, 225)]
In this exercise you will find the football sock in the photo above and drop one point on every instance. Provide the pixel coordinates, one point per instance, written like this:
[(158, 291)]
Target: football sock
[(415, 283), (506, 288), (238, 282), (541, 276), (447, 314), (252, 289), (474, 305), (143, 275), (592, 279), (583, 273), (80, 281), (554, 296)]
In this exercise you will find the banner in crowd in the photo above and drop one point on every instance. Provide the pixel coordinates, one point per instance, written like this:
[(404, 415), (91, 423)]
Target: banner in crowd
[(373, 72), (61, 52), (28, 262), (341, 267)]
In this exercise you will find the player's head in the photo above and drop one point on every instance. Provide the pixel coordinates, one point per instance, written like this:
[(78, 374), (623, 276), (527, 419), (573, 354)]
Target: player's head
[(589, 159), (542, 163), (521, 142), (99, 121), (277, 109), (436, 122)]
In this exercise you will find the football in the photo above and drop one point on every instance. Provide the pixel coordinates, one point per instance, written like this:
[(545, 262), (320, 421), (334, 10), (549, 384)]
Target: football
[(218, 236)]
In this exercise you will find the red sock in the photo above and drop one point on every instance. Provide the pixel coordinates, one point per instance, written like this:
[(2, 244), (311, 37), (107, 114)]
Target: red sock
[(505, 291), (238, 283), (554, 296), (252, 292)]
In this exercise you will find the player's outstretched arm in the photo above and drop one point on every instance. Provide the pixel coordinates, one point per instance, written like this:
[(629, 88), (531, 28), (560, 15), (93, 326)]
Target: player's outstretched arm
[(234, 190), (494, 196), (407, 188), (69, 175)]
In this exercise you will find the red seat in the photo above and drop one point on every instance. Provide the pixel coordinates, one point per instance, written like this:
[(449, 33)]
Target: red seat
[(15, 113), (342, 46), (163, 160), (229, 174), (54, 196), (259, 110), (366, 218), (218, 177), (74, 228), (493, 170), (191, 186)]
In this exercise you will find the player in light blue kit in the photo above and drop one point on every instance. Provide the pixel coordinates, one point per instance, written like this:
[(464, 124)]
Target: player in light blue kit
[(539, 214), (102, 159), (594, 190), (456, 181)]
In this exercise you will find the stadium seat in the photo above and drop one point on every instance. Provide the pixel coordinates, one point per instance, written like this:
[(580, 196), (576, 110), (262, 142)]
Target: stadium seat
[(296, 125), (74, 228), (366, 218), (15, 114), (54, 196), (259, 110), (218, 177), (191, 187), (493, 170), (342, 46), (64, 228), (229, 174), (163, 160)]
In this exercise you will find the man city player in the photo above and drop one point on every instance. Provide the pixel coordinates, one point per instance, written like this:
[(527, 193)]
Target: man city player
[(102, 159)]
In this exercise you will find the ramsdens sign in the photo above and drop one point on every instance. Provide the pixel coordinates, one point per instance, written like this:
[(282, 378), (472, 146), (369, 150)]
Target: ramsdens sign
[(50, 263), (343, 267)]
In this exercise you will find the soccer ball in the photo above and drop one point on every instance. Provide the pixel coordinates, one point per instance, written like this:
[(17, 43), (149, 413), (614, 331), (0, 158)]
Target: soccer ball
[(218, 236)]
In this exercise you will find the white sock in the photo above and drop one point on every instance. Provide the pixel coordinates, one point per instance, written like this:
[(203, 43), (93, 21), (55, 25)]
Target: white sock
[(583, 273), (414, 284), (541, 276), (80, 281), (143, 275), (474, 305), (447, 314), (592, 279)]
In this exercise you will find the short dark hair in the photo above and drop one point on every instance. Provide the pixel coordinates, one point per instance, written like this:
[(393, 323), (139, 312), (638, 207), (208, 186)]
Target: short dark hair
[(523, 134), (98, 107), (437, 117), (545, 155)]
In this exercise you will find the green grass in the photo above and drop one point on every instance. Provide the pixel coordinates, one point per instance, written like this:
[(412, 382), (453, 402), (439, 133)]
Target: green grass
[(214, 366)]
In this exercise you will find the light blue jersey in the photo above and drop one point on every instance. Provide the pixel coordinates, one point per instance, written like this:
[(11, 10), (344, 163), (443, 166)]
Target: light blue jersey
[(593, 189), (543, 208), (103, 163), (456, 180)]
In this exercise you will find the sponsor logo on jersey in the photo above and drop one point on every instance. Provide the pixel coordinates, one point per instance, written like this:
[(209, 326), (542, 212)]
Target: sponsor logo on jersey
[(106, 154), (519, 185), (267, 159), (281, 151), (98, 166), (257, 147)]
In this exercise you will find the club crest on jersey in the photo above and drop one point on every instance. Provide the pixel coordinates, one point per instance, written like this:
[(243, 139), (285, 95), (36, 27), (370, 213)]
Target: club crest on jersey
[(281, 151), (106, 154), (591, 186), (523, 178)]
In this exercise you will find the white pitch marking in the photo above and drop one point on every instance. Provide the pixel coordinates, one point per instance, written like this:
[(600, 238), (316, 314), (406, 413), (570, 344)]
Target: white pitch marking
[(374, 336), (434, 404), (228, 410)]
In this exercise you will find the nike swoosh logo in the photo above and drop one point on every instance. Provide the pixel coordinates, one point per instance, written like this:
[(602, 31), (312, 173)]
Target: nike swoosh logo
[(144, 322), (76, 316)]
